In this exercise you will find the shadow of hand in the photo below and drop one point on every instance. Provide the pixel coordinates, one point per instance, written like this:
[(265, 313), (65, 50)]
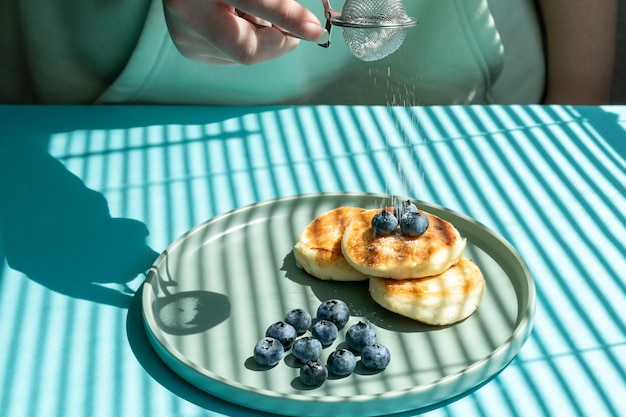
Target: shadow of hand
[(60, 233)]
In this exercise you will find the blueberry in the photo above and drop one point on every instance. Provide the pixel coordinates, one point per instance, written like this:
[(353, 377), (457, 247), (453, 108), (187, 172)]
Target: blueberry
[(325, 331), (384, 223), (404, 207), (375, 356), (413, 224), (307, 349), (341, 362), (313, 373), (300, 319), (334, 310), (283, 332), (268, 351), (360, 335)]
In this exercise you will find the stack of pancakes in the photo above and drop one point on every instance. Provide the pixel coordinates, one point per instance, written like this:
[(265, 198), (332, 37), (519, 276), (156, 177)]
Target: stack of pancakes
[(425, 278)]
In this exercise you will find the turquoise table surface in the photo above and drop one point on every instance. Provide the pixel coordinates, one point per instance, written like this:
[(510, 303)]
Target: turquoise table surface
[(89, 196)]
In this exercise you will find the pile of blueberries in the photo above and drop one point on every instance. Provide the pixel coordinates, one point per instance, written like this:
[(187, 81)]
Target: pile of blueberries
[(332, 316), (412, 222)]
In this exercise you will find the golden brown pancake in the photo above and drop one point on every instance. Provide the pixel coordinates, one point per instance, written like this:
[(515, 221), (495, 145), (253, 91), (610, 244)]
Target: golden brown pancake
[(399, 256), (318, 250), (440, 300)]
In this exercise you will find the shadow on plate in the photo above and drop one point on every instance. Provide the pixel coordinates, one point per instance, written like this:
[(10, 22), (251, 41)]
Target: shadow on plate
[(356, 295), (190, 312), (165, 376)]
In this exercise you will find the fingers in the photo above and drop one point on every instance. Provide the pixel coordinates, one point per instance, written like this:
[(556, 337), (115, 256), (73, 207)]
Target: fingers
[(238, 31), (242, 42), (287, 14), (253, 19)]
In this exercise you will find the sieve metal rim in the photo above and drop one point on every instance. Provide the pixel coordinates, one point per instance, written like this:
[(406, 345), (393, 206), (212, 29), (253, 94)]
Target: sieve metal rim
[(404, 23)]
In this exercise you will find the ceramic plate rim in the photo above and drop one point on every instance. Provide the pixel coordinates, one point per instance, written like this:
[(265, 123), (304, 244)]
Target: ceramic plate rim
[(173, 358)]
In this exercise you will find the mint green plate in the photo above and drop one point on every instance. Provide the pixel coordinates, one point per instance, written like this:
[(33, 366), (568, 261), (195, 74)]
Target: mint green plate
[(210, 296)]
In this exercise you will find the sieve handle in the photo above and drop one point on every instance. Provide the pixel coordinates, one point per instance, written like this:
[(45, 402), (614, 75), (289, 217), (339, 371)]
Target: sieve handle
[(284, 32), (329, 13)]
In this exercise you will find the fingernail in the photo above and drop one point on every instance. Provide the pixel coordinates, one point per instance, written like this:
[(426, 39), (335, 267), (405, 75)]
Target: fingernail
[(322, 34), (323, 37)]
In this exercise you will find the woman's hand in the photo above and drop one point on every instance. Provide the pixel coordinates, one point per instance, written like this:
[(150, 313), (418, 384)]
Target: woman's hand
[(239, 31)]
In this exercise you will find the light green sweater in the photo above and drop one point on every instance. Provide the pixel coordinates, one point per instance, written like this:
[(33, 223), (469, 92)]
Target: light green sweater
[(462, 52)]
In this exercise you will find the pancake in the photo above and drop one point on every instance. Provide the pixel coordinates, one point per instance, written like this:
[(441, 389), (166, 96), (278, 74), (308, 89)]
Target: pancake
[(318, 250), (399, 256), (440, 300)]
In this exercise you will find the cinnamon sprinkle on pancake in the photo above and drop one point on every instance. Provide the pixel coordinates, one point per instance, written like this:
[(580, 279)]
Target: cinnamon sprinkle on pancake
[(398, 256)]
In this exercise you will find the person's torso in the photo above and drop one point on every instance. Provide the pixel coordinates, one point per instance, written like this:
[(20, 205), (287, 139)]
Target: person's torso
[(455, 55), (66, 51)]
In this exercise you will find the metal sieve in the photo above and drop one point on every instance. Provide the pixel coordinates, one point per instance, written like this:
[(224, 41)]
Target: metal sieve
[(372, 29)]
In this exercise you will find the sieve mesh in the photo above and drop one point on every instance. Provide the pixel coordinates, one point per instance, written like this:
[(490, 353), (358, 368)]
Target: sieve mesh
[(374, 12), (371, 44)]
